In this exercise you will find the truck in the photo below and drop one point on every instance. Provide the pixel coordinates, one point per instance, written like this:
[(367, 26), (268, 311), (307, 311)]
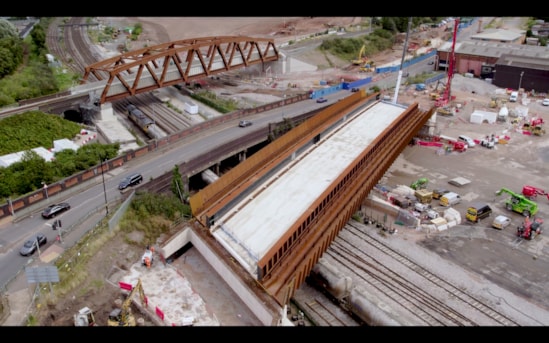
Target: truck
[(477, 211), (519, 203)]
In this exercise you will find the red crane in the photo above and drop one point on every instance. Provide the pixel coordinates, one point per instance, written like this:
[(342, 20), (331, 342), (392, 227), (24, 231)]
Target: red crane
[(445, 98)]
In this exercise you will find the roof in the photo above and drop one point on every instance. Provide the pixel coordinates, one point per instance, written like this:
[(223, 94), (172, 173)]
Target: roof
[(494, 49), (7, 160), (63, 144), (256, 223), (498, 35)]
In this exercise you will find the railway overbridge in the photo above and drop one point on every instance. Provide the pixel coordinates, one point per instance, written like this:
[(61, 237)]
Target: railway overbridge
[(279, 210), (176, 62)]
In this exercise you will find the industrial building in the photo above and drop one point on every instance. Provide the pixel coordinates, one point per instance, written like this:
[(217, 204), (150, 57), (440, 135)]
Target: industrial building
[(506, 65)]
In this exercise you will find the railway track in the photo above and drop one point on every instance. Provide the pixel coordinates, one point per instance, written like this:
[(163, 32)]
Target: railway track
[(423, 295), (323, 315), (70, 44)]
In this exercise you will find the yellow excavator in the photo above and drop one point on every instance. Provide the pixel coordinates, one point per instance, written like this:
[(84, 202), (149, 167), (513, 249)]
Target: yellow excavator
[(123, 316), (361, 57)]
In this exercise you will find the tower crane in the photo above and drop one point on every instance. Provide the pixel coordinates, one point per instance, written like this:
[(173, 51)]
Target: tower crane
[(445, 98)]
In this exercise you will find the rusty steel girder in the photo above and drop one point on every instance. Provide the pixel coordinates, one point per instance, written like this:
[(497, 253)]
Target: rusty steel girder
[(176, 62)]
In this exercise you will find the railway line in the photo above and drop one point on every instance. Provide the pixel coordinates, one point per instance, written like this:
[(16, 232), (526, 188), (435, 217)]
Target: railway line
[(70, 44), (425, 298)]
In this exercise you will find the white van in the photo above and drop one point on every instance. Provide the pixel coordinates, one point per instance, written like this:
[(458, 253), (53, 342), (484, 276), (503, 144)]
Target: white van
[(514, 96), (467, 140), (450, 199)]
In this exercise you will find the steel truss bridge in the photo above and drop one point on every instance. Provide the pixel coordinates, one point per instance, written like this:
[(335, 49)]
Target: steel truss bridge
[(176, 62)]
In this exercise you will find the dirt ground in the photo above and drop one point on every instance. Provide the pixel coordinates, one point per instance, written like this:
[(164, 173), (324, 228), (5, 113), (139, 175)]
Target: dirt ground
[(504, 163)]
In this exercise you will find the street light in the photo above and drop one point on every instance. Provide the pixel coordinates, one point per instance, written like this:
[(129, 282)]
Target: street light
[(520, 81), (104, 189)]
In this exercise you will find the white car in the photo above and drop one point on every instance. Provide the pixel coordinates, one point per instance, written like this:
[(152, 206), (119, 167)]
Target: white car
[(501, 222), (545, 102)]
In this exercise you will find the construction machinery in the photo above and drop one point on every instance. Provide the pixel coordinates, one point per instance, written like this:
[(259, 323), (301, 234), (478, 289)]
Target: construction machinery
[(84, 317), (361, 56), (519, 203), (488, 141), (535, 126), (369, 66), (446, 95), (419, 183), (531, 192), (123, 316), (530, 228)]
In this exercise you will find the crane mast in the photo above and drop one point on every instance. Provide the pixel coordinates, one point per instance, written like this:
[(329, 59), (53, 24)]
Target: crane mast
[(443, 101)]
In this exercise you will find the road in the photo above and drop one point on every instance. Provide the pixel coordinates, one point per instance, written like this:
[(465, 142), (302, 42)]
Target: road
[(91, 196)]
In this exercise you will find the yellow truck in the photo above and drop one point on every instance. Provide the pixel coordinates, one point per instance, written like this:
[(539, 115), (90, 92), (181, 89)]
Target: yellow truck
[(477, 211)]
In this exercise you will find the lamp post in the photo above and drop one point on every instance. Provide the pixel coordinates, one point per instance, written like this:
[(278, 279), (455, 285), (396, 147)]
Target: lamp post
[(104, 188), (520, 81)]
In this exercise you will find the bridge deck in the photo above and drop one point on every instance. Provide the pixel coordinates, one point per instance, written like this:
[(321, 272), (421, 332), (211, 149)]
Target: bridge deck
[(258, 221)]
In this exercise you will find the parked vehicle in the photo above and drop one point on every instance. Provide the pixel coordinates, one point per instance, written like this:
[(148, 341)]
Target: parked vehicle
[(32, 244), (478, 211), (530, 228), (321, 100), (519, 203), (55, 209), (450, 199), (131, 180), (514, 96), (467, 140), (501, 222), (545, 102), (439, 192)]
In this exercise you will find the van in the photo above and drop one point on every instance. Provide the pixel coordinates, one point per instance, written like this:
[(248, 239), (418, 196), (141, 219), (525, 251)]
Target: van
[(478, 211), (450, 199), (513, 97), (467, 140)]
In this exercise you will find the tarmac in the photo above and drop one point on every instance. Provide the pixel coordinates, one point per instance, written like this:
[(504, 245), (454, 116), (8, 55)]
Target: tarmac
[(20, 296)]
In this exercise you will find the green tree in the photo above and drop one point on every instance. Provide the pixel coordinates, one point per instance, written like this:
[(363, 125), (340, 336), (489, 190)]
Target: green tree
[(177, 183), (11, 55), (7, 29), (38, 36)]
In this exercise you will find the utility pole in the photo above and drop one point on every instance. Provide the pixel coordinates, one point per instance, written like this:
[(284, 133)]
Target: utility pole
[(399, 78), (104, 189)]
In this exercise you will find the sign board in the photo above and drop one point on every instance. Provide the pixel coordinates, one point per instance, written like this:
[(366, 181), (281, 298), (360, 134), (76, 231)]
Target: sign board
[(42, 274)]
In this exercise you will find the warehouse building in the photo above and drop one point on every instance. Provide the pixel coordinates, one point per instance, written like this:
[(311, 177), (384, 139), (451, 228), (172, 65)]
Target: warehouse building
[(506, 65)]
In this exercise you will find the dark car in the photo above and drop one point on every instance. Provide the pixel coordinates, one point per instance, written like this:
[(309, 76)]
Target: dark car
[(31, 245), (355, 89), (244, 123), (321, 100), (55, 209), (130, 180)]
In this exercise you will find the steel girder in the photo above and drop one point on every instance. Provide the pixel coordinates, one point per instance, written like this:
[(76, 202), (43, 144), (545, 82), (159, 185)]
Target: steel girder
[(176, 62)]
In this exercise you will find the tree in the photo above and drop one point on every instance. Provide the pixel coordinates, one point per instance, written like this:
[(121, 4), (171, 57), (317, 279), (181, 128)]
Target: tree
[(177, 184), (7, 29)]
